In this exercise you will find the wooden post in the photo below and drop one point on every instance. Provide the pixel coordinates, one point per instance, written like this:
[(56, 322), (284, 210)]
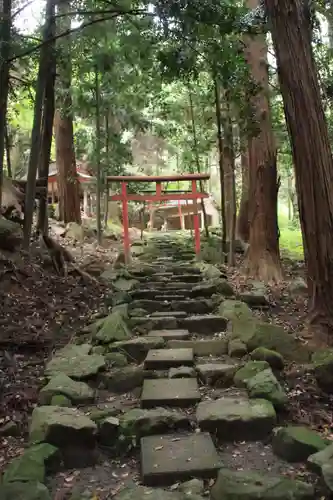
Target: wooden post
[(196, 220), (125, 222)]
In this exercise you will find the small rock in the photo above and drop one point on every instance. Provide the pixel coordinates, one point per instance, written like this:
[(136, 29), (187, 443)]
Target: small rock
[(108, 431), (182, 372), (249, 370), (192, 487), (265, 385), (298, 287), (116, 359), (112, 329), (75, 362), (244, 485), (273, 358), (61, 384), (236, 348), (297, 443)]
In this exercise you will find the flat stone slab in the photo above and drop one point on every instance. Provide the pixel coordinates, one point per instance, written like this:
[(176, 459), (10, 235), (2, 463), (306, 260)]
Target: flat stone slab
[(181, 393), (205, 347), (173, 314), (171, 335), (205, 325), (217, 373), (171, 458), (162, 359), (237, 418), (170, 297)]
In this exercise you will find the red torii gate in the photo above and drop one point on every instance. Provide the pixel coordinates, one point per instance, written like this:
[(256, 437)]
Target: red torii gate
[(159, 196)]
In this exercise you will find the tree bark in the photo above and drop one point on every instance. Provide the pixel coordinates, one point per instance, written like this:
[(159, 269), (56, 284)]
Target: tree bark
[(221, 164), (98, 159), (229, 180), (243, 223), (68, 183), (5, 38), (263, 257), (48, 117), (291, 33)]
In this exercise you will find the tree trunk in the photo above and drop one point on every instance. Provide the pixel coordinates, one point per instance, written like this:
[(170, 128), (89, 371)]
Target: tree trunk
[(43, 70), (291, 33), (98, 159), (5, 30), (263, 258), (48, 117), (221, 165), (8, 156), (243, 225), (229, 180), (68, 184)]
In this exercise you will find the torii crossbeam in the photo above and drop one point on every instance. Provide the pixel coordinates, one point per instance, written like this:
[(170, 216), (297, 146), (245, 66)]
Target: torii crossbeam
[(158, 196)]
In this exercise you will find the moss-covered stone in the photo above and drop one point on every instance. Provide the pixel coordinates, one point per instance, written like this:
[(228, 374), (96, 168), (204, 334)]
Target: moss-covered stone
[(31, 490), (113, 328), (108, 431), (256, 333), (32, 465), (77, 392), (273, 358), (297, 443), (61, 427), (116, 359), (317, 460), (265, 385), (137, 423), (323, 369), (123, 380), (235, 309), (75, 362), (244, 485), (136, 349), (61, 400), (138, 312), (249, 370)]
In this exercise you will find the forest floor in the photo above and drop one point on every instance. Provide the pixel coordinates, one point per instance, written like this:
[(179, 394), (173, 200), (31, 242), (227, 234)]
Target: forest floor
[(41, 311)]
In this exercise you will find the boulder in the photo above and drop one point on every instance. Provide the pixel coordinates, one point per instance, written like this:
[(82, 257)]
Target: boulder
[(235, 309), (249, 370), (327, 473), (220, 374), (31, 490), (192, 487), (237, 418), (32, 465), (236, 348), (273, 358), (298, 287), (265, 385), (254, 299), (60, 400), (323, 369), (137, 423), (124, 379), (125, 285), (10, 428), (136, 349), (256, 333), (223, 287), (113, 328), (116, 298), (75, 362), (297, 443), (245, 485), (61, 384), (61, 427)]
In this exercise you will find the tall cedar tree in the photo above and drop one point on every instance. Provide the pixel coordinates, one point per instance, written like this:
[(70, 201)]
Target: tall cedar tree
[(263, 258), (290, 23), (68, 183)]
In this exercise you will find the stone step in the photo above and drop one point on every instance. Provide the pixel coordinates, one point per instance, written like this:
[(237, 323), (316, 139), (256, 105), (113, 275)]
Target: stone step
[(209, 347), (162, 359), (178, 335), (159, 293), (170, 297), (170, 285), (155, 323), (173, 314), (205, 325), (177, 393), (167, 459)]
